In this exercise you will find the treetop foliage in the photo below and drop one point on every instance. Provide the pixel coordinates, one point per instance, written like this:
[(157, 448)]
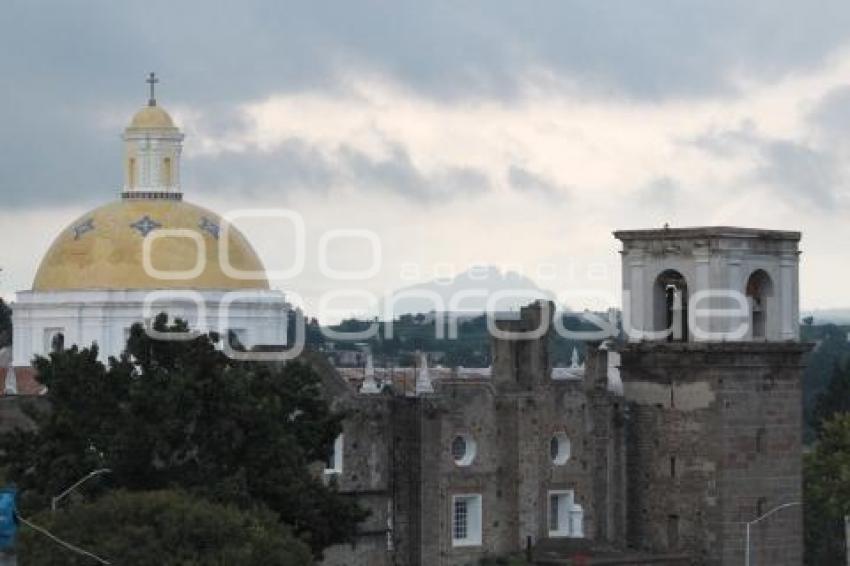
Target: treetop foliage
[(181, 414), (5, 324), (163, 528)]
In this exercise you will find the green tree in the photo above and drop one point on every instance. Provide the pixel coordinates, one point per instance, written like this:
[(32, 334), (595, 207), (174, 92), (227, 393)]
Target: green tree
[(182, 414), (833, 350), (163, 528), (5, 324), (835, 398), (827, 492)]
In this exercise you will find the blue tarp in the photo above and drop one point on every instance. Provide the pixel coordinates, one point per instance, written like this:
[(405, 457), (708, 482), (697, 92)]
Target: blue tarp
[(8, 521)]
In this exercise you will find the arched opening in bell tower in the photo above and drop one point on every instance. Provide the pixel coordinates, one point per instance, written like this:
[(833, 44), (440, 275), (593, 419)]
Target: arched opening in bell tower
[(671, 305), (759, 290)]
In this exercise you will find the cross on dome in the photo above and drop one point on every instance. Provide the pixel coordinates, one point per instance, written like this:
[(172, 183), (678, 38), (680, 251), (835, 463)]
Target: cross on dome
[(152, 80)]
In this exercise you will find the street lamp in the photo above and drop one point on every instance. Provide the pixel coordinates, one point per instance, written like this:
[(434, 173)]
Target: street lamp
[(83, 480), (757, 519)]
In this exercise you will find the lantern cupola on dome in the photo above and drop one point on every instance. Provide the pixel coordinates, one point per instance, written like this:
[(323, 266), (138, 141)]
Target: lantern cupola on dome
[(152, 147)]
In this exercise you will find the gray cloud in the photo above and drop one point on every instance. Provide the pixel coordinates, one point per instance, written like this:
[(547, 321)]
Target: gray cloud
[(803, 173), (67, 160), (242, 51), (832, 114), (726, 143), (62, 63), (294, 165), (661, 192), (397, 174), (297, 165), (523, 180)]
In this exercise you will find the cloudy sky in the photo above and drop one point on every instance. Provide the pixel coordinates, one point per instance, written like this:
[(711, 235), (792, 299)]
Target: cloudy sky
[(514, 134)]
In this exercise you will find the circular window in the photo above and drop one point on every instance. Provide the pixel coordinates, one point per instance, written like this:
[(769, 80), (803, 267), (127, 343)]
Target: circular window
[(559, 449), (463, 450)]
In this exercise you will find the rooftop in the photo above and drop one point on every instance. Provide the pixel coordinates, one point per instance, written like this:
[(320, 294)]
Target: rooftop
[(706, 232)]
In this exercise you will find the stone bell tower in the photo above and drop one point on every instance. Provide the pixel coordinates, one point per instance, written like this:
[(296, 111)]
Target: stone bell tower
[(712, 371)]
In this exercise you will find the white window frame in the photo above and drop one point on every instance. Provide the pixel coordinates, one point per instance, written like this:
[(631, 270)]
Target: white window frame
[(570, 522), (474, 519), (471, 450), (337, 457)]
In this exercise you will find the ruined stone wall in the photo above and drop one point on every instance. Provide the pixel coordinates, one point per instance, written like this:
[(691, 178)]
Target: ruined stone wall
[(407, 475), (607, 437), (513, 470), (367, 475), (714, 436), (464, 408)]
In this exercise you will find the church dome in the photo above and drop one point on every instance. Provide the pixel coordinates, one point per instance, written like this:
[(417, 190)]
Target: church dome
[(103, 250), (151, 117)]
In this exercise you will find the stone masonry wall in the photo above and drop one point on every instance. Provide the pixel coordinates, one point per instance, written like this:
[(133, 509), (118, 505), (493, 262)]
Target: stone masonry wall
[(367, 475), (714, 438)]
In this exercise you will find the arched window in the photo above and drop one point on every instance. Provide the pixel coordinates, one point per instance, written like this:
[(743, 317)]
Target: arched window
[(759, 291), (166, 172), (131, 173), (57, 343), (54, 339), (671, 305)]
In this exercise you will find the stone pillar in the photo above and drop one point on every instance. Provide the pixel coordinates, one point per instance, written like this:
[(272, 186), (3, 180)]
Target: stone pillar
[(734, 282), (635, 316), (787, 294)]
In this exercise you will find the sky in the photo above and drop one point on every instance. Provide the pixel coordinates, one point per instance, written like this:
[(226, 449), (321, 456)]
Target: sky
[(460, 134)]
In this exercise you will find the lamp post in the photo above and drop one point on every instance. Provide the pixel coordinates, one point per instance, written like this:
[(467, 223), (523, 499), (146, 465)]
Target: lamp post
[(83, 480), (757, 519)]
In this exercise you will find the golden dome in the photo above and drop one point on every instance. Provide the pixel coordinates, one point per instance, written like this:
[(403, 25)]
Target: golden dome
[(151, 117), (103, 250)]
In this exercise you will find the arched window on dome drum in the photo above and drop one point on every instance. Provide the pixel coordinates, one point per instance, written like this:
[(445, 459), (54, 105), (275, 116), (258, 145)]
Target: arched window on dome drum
[(131, 173), (166, 172)]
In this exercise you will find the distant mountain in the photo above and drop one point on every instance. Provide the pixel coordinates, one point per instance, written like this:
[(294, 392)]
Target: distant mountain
[(468, 293)]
